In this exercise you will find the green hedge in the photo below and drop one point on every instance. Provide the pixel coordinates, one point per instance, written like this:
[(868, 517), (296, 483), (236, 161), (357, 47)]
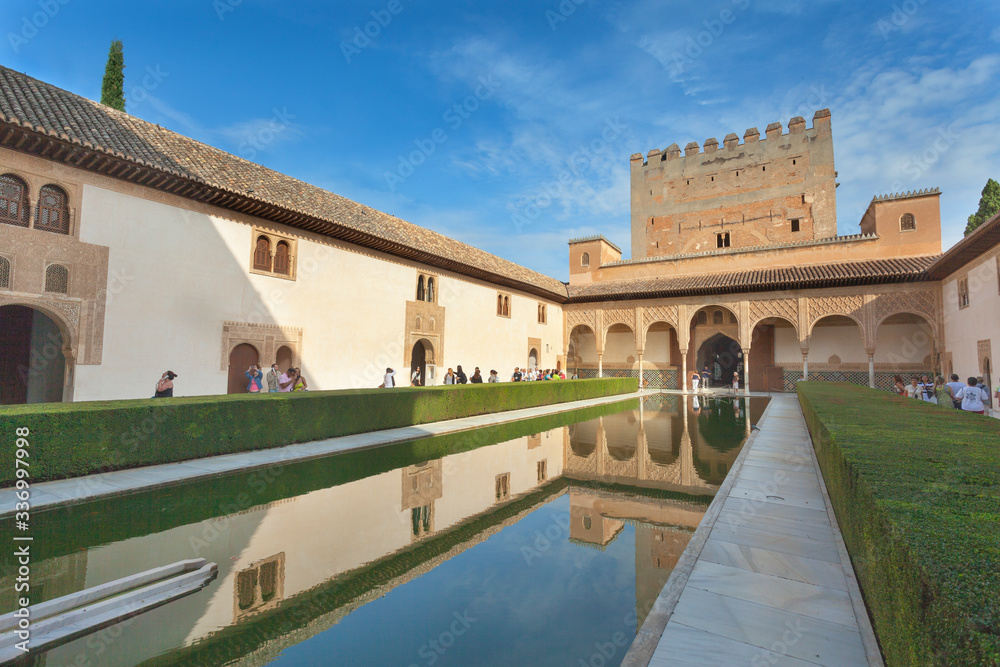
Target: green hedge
[(916, 490), (73, 439)]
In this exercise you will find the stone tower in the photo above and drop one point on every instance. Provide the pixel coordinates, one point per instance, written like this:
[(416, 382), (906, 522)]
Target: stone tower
[(764, 191)]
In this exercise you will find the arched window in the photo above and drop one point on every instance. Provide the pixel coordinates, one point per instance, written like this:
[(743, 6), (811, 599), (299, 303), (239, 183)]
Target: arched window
[(717, 317), (282, 258), (420, 288), (907, 223), (702, 317), (419, 323), (4, 273), (13, 201), (732, 318), (57, 279), (430, 290), (499, 304), (262, 254), (585, 259), (506, 306), (52, 213)]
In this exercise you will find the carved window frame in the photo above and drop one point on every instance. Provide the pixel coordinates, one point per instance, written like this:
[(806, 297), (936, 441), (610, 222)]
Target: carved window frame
[(428, 287), (907, 222), (963, 292), (7, 281), (543, 316), (273, 240), (503, 304)]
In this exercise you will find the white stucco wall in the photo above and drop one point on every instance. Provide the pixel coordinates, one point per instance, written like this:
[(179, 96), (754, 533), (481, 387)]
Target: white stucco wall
[(965, 327), (175, 276)]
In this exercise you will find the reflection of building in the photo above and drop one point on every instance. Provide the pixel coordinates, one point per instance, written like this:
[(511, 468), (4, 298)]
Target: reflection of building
[(686, 450)]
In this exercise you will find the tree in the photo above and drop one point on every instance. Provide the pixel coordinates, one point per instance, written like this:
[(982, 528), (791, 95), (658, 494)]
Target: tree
[(989, 204), (113, 86)]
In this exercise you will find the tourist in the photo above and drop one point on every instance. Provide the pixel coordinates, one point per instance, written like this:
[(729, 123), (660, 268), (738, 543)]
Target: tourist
[(953, 388), (942, 394), (256, 377), (736, 382), (300, 382), (900, 387), (705, 377), (695, 380), (576, 374), (493, 377), (272, 379), (388, 382), (460, 376), (449, 377), (476, 377), (928, 389), (914, 390), (415, 378), (516, 377), (165, 387), (973, 396), (286, 382)]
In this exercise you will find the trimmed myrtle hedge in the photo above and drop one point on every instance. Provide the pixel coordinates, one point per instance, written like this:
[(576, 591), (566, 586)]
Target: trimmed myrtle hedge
[(73, 439), (916, 490)]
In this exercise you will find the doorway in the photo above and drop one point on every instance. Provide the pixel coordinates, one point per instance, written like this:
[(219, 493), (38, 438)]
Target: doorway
[(418, 362), (240, 359), (32, 365), (723, 356)]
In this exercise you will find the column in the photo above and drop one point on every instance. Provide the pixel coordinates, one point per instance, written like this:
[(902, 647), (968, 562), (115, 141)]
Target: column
[(746, 371), (600, 365), (641, 384), (684, 372), (805, 365), (871, 369)]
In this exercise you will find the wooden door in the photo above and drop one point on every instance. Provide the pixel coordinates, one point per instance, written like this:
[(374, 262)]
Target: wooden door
[(240, 359), (15, 353)]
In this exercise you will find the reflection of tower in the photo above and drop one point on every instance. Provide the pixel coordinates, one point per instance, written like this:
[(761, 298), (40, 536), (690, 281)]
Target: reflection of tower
[(587, 525), (657, 549), (422, 485)]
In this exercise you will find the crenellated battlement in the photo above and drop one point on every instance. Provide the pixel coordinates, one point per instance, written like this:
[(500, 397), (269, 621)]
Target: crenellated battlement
[(774, 132), (909, 194)]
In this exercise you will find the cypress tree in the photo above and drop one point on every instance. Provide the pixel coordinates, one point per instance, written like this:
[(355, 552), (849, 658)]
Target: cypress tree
[(113, 86), (989, 204)]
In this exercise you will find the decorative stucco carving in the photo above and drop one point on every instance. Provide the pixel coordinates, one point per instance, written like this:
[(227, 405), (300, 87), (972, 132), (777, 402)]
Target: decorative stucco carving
[(267, 338), (654, 314)]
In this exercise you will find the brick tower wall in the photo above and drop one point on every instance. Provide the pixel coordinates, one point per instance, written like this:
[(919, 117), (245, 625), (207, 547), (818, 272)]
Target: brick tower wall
[(752, 191)]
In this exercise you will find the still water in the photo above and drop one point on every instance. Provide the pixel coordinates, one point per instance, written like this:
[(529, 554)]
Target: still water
[(541, 542)]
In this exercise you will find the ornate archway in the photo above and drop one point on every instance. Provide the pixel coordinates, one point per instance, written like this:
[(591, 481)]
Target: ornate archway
[(723, 357)]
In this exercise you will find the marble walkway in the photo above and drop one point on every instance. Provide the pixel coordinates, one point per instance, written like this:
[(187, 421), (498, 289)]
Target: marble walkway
[(767, 579), (90, 487)]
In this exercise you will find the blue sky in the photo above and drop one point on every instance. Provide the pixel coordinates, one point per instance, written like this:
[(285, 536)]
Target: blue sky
[(509, 125)]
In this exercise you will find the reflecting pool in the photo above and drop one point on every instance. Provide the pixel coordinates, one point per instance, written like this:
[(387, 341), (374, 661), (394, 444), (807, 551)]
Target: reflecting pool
[(539, 542)]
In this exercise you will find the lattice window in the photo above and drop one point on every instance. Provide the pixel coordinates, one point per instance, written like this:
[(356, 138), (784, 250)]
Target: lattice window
[(282, 258), (4, 273), (795, 224), (963, 293), (717, 317), (57, 279), (702, 317), (52, 213), (262, 254), (13, 201), (585, 259), (907, 223)]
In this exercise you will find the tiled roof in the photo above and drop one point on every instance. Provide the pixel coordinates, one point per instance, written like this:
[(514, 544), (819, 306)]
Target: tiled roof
[(76, 122), (595, 237), (983, 238), (874, 271)]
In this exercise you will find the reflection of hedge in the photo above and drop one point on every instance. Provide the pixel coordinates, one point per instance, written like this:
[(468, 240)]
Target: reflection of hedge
[(720, 427), (65, 530), (73, 439), (915, 489)]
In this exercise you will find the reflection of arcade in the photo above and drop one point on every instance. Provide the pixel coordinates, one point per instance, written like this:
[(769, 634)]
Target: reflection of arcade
[(689, 451)]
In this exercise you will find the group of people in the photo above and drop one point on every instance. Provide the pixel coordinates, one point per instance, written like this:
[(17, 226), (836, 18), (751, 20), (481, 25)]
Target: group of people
[(700, 380), (277, 382), (973, 396), (458, 376)]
